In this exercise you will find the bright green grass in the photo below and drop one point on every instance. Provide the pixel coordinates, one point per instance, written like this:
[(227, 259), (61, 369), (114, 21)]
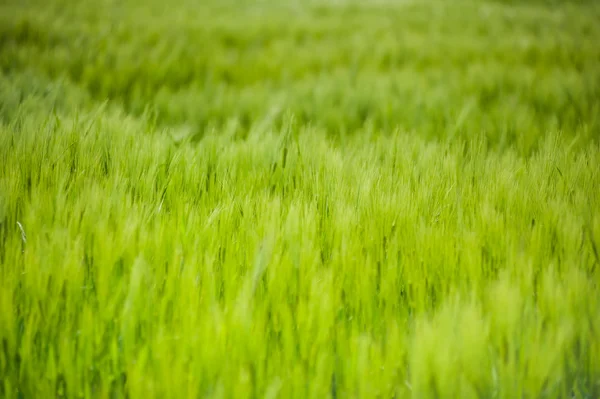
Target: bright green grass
[(299, 200)]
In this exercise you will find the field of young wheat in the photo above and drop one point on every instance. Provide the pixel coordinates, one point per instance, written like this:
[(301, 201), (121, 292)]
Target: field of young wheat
[(299, 199)]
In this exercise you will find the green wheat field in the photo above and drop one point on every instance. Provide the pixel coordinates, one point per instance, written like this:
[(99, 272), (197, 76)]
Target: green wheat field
[(299, 199)]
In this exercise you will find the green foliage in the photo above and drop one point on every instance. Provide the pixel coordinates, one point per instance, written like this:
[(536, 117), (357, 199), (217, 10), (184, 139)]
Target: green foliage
[(391, 199), (439, 69)]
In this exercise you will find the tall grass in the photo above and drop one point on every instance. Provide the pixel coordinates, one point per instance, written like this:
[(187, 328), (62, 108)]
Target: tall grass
[(316, 200)]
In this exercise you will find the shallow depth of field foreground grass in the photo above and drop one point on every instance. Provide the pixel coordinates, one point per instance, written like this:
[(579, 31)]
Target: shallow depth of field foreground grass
[(299, 200)]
